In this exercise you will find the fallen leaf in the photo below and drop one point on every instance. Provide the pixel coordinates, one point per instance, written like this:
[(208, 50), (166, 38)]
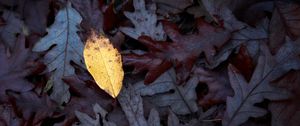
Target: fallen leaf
[(241, 106), (33, 108), (173, 120), (218, 86), (132, 105), (86, 120), (13, 26), (67, 47), (249, 36), (144, 21), (164, 92), (181, 53), (15, 67), (243, 57), (153, 119), (103, 61)]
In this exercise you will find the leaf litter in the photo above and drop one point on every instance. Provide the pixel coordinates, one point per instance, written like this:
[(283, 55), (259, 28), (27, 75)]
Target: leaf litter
[(186, 63)]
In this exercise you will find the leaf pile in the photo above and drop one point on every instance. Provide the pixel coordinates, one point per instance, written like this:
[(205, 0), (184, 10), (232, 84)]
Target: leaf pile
[(149, 62)]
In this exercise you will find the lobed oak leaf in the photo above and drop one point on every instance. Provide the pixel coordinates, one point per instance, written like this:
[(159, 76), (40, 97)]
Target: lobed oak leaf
[(144, 21), (181, 53), (164, 92), (15, 67), (241, 106), (67, 47)]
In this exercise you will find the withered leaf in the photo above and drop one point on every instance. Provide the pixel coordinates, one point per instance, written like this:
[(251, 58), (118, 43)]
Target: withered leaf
[(67, 47), (164, 92), (241, 106), (145, 22)]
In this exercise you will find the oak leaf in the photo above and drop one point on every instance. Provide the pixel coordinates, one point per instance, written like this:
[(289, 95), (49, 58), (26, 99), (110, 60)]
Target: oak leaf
[(145, 22), (241, 106), (132, 105), (181, 53), (164, 92), (67, 47)]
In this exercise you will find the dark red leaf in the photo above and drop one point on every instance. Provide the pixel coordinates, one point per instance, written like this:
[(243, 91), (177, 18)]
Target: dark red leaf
[(243, 62), (181, 53)]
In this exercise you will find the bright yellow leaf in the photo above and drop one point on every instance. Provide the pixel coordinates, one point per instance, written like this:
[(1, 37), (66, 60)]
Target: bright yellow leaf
[(104, 63)]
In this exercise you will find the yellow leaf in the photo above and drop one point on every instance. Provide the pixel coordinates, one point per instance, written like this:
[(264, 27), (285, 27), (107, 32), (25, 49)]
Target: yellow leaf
[(103, 61)]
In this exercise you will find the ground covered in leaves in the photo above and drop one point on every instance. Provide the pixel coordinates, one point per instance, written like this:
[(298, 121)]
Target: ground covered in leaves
[(186, 62)]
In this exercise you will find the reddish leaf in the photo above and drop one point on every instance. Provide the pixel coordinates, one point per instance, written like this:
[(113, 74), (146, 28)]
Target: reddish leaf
[(218, 86), (181, 53), (15, 68), (243, 62), (32, 107)]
